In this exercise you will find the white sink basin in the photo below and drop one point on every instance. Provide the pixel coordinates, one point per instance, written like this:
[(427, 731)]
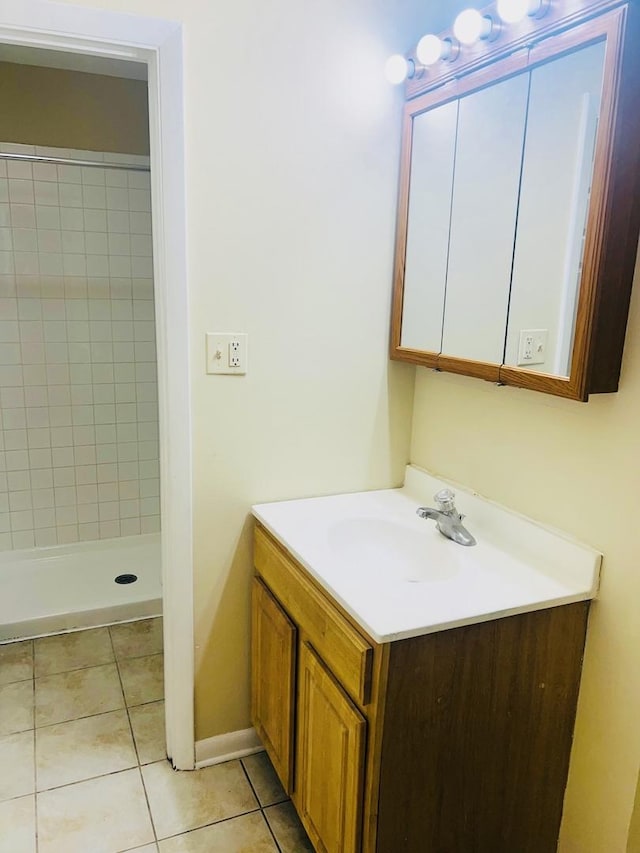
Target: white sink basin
[(388, 549), (399, 577)]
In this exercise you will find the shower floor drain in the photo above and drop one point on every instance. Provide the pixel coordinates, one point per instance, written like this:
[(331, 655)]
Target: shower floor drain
[(126, 578)]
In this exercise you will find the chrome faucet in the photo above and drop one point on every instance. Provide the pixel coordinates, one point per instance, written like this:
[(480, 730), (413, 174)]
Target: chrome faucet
[(447, 518)]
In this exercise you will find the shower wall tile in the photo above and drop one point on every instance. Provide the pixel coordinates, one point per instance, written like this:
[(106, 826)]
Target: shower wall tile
[(78, 385)]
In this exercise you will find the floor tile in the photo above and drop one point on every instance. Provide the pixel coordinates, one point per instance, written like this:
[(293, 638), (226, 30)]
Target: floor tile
[(18, 826), (287, 829), (142, 679), (136, 639), (98, 816), (181, 801), (248, 833), (16, 661), (264, 779), (147, 722), (16, 765), (76, 650), (71, 695), (80, 749), (16, 707), (148, 848)]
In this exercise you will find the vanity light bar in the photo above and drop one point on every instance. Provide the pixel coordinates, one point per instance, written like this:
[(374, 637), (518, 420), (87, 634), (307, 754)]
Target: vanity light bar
[(469, 27)]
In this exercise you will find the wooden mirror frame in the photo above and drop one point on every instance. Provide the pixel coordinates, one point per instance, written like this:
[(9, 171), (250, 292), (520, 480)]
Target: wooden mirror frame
[(613, 222)]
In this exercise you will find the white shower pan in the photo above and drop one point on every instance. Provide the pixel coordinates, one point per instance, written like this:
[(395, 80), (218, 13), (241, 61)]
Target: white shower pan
[(68, 587)]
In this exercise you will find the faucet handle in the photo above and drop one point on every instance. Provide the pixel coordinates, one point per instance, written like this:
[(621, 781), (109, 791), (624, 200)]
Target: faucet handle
[(445, 500)]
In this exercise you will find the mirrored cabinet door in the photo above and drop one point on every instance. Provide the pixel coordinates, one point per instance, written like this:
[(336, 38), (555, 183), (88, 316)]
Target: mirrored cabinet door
[(432, 161), (491, 128), (519, 204), (562, 121)]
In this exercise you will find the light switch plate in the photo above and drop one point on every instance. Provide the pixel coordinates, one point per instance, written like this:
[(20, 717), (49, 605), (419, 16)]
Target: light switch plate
[(227, 352)]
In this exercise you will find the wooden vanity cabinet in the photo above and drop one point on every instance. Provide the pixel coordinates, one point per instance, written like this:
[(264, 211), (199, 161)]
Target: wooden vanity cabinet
[(274, 651), (453, 742)]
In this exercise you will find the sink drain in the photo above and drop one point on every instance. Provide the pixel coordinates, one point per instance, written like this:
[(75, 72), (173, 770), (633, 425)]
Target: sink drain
[(126, 578)]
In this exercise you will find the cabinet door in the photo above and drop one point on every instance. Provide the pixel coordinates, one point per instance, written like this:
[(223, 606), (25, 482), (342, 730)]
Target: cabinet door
[(273, 661), (330, 759), (564, 106), (483, 219), (433, 145)]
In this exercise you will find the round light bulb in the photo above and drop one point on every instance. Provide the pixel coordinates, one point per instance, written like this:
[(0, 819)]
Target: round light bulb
[(429, 49), (513, 11), (470, 26), (396, 69)]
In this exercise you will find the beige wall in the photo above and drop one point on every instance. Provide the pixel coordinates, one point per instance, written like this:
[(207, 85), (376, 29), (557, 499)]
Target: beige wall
[(575, 466), (69, 109), (291, 198), (292, 149), (633, 845)]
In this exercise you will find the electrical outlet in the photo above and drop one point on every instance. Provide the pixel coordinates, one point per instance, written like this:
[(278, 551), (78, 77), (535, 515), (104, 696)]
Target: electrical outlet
[(234, 353), (226, 352), (532, 347)]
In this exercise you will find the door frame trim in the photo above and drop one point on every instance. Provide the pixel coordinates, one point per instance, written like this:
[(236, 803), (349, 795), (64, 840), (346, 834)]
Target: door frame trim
[(158, 43)]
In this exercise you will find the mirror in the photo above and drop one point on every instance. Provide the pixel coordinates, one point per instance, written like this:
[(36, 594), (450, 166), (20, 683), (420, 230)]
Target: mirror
[(557, 168), (487, 167), (432, 157), (507, 175)]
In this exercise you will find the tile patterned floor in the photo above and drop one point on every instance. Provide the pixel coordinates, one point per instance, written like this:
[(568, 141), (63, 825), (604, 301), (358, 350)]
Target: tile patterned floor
[(83, 766)]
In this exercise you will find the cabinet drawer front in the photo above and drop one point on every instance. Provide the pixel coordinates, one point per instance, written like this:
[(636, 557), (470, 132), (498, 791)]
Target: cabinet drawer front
[(330, 759), (345, 651), (273, 661)]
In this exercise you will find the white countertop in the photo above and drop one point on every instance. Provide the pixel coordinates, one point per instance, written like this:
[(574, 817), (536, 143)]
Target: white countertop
[(399, 577)]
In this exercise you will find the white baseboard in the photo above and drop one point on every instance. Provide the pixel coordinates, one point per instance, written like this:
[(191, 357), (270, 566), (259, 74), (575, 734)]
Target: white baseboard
[(215, 750)]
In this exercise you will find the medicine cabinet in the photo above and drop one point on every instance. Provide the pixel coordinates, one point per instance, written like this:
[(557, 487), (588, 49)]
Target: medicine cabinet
[(519, 204)]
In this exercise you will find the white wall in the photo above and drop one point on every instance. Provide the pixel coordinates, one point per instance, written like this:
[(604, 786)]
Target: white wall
[(292, 141)]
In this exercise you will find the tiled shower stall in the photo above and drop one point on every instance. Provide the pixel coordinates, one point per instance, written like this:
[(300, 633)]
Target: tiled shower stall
[(78, 383)]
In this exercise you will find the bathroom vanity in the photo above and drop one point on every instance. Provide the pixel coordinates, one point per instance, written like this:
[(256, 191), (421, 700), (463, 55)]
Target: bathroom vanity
[(412, 694)]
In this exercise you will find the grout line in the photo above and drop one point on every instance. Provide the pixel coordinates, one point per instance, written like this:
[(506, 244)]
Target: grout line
[(83, 717), (124, 699), (17, 797), (123, 707), (146, 797), (211, 823), (88, 779), (251, 785), (262, 809), (273, 835), (135, 746), (90, 666), (75, 669), (35, 763), (121, 659), (77, 719), (133, 849)]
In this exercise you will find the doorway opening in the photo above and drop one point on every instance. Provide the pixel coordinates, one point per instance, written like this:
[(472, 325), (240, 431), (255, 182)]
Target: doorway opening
[(105, 39)]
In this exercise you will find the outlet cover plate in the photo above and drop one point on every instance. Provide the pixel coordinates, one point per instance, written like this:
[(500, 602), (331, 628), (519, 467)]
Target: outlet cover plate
[(532, 347), (227, 352)]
